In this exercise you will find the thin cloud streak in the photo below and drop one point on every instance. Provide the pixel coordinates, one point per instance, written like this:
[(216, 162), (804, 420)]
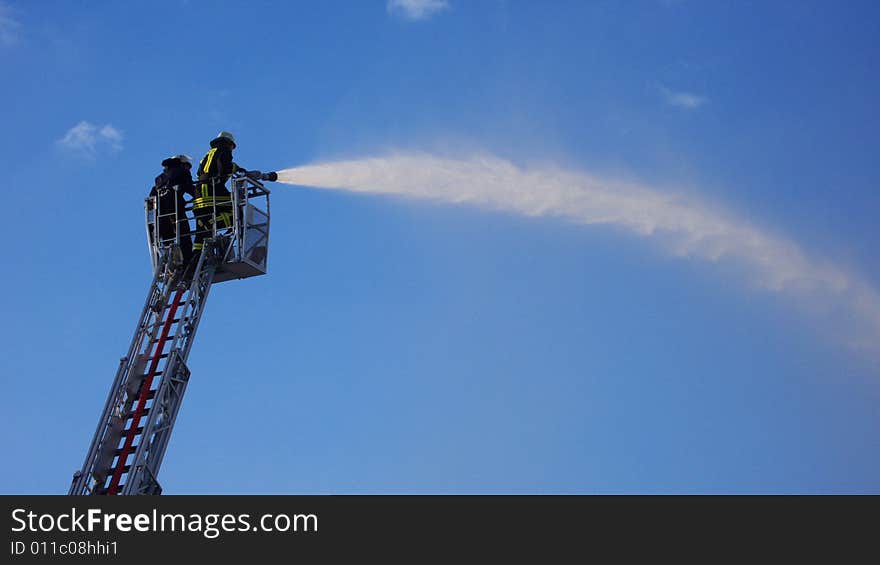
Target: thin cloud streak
[(416, 9), (685, 100), (840, 301)]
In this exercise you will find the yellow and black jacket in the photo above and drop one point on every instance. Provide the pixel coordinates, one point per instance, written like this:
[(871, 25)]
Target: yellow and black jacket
[(214, 170)]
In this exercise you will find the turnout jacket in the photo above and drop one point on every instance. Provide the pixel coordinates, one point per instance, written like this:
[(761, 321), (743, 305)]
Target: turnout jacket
[(173, 175), (214, 170)]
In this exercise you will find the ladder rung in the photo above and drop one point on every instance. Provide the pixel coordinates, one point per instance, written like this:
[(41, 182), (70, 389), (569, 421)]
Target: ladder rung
[(118, 452), (140, 386), (144, 412), (161, 356), (137, 431), (167, 339)]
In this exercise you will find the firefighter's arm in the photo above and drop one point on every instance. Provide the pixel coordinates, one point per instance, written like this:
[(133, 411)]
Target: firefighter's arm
[(254, 175)]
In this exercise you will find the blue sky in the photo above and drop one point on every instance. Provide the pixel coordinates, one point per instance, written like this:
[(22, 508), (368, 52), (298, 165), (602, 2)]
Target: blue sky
[(402, 346)]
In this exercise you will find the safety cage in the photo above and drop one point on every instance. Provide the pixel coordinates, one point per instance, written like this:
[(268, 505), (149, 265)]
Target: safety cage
[(242, 243)]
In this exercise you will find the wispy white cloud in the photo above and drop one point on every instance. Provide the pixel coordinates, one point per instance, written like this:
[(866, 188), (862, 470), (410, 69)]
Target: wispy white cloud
[(88, 139), (680, 99), (9, 26), (111, 135), (416, 9)]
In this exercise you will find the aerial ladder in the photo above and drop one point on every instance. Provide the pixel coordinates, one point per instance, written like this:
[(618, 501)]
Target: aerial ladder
[(135, 426)]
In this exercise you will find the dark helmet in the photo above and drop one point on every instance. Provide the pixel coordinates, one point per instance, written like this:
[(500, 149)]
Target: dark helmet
[(223, 136)]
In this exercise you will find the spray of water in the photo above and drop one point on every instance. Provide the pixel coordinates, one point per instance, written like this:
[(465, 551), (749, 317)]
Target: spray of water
[(684, 226)]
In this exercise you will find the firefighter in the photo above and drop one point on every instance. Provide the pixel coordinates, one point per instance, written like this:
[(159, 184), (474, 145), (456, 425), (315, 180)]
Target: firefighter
[(213, 202), (170, 188)]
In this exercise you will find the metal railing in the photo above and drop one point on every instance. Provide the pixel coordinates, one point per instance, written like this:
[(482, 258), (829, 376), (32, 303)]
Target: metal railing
[(242, 243)]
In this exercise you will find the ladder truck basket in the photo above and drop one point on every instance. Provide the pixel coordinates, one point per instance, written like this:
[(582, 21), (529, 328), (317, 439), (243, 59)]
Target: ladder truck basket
[(239, 234)]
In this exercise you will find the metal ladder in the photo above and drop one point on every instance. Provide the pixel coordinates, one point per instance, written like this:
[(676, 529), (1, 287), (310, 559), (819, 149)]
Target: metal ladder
[(135, 426)]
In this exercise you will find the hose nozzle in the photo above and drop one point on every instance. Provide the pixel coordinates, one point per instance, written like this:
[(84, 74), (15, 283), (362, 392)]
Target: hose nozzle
[(257, 175)]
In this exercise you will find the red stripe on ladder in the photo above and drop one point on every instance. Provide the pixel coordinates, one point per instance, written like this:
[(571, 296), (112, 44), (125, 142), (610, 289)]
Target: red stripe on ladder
[(144, 396)]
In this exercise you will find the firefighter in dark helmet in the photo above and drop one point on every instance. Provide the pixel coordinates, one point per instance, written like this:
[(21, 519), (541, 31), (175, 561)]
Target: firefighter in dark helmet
[(213, 202), (169, 188)]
